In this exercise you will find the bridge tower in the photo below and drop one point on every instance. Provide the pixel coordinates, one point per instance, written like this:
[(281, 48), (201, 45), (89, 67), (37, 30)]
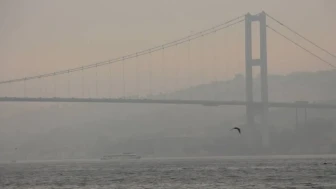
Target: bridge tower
[(251, 108)]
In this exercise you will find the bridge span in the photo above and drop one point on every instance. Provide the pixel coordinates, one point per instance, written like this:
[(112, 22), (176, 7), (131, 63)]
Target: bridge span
[(297, 104)]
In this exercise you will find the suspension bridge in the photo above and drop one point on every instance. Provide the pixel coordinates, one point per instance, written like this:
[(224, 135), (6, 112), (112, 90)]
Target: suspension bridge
[(151, 75)]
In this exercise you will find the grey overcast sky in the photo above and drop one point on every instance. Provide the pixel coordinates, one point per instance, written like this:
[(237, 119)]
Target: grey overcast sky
[(39, 36)]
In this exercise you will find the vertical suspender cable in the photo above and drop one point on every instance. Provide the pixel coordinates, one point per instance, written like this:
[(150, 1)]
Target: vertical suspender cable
[(190, 73), (96, 81), (24, 88), (214, 65), (150, 73), (110, 81), (123, 78), (82, 82), (177, 62), (136, 78), (68, 84), (163, 73), (54, 77)]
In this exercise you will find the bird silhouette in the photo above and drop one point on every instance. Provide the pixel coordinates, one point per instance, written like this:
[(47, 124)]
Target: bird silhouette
[(237, 128)]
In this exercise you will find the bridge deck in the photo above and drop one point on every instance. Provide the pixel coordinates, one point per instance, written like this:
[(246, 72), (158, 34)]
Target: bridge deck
[(185, 102)]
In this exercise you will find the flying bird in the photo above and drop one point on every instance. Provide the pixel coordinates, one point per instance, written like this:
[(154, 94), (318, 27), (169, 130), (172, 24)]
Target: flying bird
[(237, 128)]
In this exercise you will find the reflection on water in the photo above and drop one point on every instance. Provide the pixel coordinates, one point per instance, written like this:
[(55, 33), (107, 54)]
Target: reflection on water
[(173, 173)]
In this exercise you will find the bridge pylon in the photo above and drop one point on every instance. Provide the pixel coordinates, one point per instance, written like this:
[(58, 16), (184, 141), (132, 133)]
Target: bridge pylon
[(251, 109)]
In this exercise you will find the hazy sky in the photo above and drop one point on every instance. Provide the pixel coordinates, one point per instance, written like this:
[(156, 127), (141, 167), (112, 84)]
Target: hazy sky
[(39, 36)]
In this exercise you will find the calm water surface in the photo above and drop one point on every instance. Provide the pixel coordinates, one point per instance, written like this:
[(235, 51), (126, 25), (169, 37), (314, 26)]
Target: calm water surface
[(233, 172)]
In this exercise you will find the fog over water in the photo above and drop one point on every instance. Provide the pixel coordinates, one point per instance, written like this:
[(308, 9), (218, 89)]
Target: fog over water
[(59, 145)]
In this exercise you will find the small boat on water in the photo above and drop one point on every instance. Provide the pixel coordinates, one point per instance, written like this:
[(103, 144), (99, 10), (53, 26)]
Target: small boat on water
[(123, 156)]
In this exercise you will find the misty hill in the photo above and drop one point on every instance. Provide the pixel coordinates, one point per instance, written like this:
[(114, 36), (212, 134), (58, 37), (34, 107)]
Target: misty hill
[(312, 86), (89, 130)]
